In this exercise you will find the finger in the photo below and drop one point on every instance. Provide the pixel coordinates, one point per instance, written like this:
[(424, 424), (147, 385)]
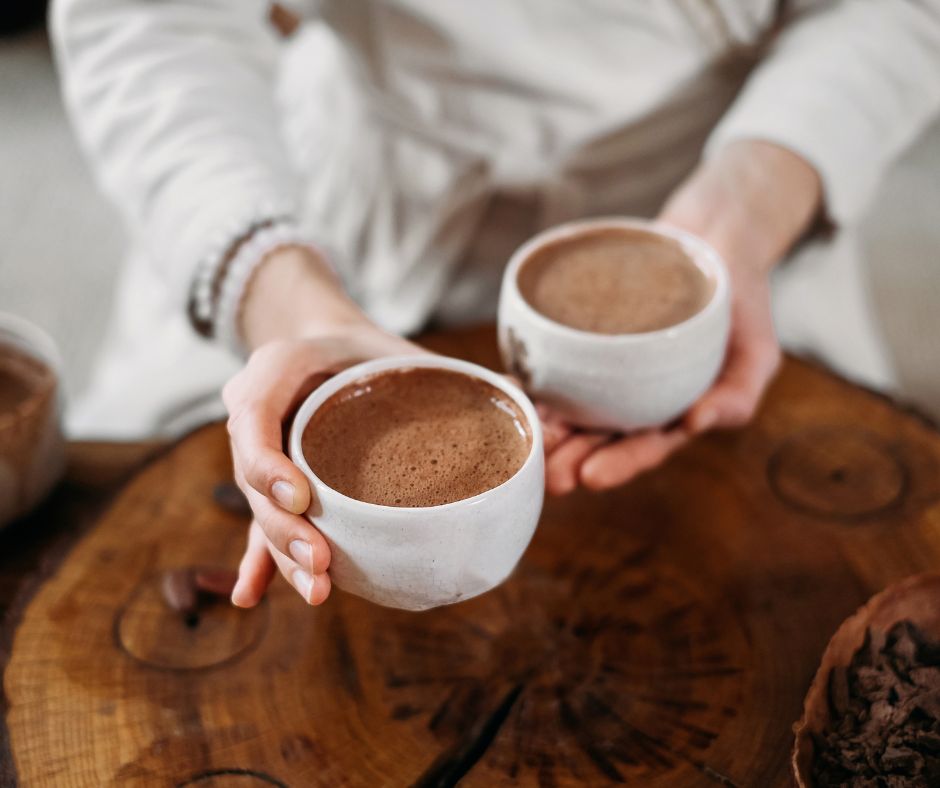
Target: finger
[(255, 433), (279, 374), (314, 588), (258, 400), (553, 433), (563, 464), (618, 462), (255, 570), (734, 399), (554, 428), (291, 535)]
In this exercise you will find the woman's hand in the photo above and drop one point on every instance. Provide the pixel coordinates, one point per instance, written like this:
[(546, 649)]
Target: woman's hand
[(304, 329), (751, 202)]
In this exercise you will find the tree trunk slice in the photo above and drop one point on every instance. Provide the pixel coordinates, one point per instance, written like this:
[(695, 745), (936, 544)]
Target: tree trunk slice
[(660, 635)]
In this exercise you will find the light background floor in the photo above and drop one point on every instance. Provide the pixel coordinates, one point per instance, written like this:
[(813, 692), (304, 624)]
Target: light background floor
[(61, 243)]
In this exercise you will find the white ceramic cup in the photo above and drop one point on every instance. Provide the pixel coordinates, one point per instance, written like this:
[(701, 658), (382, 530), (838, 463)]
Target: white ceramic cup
[(32, 449), (620, 382), (421, 557)]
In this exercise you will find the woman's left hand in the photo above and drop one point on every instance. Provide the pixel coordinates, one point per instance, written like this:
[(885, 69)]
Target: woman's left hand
[(751, 202)]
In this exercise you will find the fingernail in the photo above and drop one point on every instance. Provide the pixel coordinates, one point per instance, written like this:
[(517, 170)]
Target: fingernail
[(283, 493), (236, 597), (303, 583), (301, 552)]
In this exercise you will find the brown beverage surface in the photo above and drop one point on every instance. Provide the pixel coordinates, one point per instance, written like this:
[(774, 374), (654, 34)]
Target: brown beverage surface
[(21, 378), (416, 437), (614, 281)]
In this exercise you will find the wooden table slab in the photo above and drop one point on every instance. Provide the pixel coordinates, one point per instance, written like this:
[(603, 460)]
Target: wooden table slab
[(660, 635)]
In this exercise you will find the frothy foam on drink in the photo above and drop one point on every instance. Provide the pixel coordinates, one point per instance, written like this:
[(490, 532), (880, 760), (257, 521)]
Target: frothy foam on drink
[(416, 437), (614, 281)]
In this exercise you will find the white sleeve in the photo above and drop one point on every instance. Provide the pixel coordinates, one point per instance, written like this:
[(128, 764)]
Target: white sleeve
[(174, 105), (847, 85)]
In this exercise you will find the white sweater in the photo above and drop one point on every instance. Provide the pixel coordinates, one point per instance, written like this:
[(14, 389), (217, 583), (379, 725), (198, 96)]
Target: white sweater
[(421, 140)]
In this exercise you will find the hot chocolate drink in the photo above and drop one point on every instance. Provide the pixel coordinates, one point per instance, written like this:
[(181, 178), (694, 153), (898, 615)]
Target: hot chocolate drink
[(21, 378), (416, 437), (614, 281)]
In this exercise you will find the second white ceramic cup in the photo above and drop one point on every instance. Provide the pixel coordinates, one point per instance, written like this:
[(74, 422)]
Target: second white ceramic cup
[(421, 557), (621, 382), (32, 448)]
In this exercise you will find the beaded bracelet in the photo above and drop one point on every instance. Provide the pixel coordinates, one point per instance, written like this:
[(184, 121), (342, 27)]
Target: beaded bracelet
[(242, 266), (218, 250)]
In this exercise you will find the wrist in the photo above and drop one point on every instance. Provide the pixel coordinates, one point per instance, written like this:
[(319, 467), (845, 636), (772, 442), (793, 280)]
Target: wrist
[(294, 293), (753, 201), (780, 192)]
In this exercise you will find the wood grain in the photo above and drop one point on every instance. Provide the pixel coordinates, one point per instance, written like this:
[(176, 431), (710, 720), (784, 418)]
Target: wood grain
[(663, 634), (31, 548)]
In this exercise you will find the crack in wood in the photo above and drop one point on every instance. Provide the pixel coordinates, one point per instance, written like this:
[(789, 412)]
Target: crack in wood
[(454, 763), (211, 774), (580, 652), (470, 697)]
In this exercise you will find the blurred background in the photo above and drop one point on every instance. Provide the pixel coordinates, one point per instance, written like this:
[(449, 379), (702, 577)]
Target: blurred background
[(61, 244)]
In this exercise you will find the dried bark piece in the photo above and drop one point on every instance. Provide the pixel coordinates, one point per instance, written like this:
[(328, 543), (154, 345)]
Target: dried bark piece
[(928, 741), (188, 589), (178, 587), (872, 682), (902, 760), (218, 582)]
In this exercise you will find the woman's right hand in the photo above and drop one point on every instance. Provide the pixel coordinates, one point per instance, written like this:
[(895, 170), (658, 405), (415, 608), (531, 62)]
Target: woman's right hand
[(293, 355)]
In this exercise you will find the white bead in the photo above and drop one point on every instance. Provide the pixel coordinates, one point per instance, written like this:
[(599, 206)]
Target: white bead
[(249, 255)]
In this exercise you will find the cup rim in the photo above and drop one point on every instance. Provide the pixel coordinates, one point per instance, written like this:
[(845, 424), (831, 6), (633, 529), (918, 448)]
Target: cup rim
[(323, 392), (38, 340), (702, 254)]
